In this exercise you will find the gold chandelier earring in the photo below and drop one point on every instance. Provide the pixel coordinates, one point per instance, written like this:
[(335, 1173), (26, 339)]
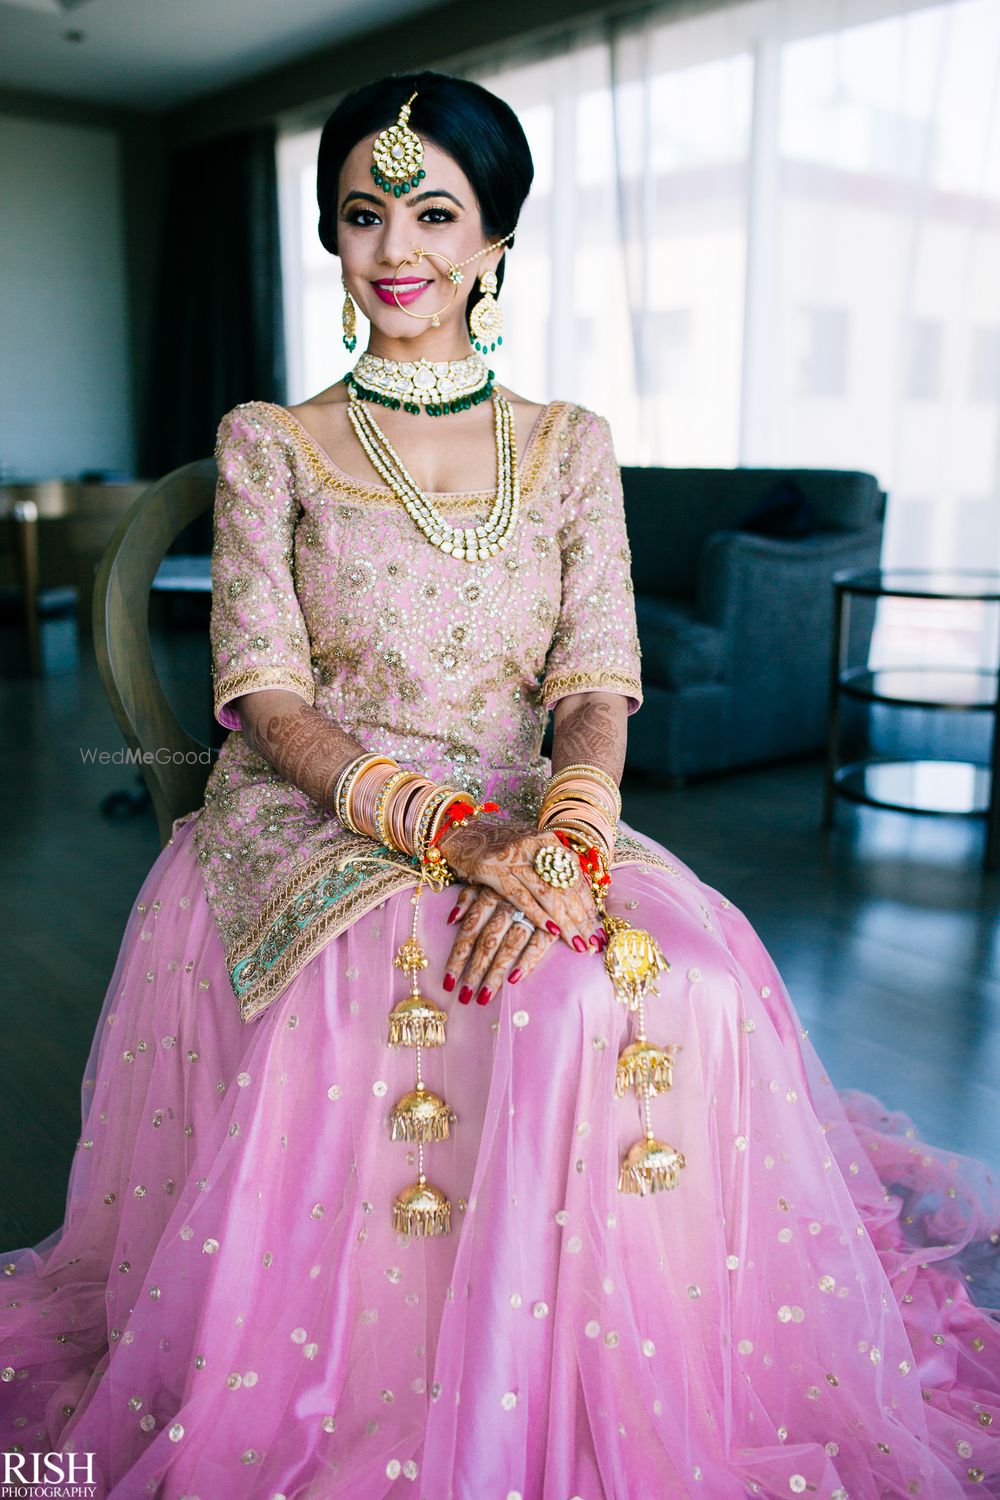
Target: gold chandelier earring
[(350, 321), (486, 319)]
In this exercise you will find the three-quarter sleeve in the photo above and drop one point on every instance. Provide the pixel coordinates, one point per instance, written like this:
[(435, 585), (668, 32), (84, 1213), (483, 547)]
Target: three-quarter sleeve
[(595, 646), (258, 635)]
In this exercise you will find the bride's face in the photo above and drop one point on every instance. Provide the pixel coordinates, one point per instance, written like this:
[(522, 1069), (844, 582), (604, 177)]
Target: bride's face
[(377, 230)]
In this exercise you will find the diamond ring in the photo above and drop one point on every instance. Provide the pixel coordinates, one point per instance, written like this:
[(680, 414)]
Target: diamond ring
[(519, 917), (556, 865)]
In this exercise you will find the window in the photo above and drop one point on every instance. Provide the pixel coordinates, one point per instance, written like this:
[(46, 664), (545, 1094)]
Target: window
[(923, 341), (822, 362)]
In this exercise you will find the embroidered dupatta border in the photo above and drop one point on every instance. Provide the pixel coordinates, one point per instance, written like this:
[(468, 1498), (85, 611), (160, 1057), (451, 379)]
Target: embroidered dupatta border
[(320, 902)]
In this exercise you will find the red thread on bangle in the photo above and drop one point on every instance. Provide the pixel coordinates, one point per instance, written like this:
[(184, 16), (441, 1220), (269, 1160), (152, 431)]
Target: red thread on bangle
[(590, 861), (458, 812)]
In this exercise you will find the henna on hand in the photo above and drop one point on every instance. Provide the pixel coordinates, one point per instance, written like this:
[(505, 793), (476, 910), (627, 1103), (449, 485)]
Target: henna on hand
[(301, 743), (501, 856), (490, 946), (591, 727)]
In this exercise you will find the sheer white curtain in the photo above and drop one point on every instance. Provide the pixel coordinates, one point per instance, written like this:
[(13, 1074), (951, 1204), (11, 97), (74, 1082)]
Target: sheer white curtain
[(767, 234), (773, 238)]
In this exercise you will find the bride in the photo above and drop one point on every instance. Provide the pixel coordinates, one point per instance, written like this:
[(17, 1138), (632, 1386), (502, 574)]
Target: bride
[(334, 1230)]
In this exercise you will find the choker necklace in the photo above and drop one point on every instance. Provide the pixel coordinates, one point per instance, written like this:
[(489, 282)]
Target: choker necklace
[(469, 542), (434, 386)]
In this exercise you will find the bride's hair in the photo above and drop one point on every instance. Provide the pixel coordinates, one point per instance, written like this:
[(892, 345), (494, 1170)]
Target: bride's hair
[(480, 131)]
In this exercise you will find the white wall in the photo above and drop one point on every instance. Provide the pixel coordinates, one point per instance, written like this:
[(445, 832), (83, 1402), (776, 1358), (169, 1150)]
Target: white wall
[(65, 395)]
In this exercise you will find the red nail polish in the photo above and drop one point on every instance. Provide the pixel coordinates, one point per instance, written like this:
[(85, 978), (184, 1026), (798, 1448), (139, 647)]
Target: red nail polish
[(579, 944), (513, 976), (553, 928), (484, 995), (454, 913), (465, 994), (595, 941), (449, 982)]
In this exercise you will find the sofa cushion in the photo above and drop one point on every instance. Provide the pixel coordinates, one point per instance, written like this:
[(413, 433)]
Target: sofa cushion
[(670, 513), (782, 511), (677, 650)]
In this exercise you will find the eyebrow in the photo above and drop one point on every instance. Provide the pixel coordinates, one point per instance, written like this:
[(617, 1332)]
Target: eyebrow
[(409, 197)]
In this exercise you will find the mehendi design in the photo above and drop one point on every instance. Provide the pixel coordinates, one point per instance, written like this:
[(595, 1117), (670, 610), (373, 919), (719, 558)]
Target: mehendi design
[(591, 729), (304, 746)]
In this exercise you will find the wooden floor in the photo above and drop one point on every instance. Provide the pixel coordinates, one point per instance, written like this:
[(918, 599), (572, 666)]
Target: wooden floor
[(885, 930)]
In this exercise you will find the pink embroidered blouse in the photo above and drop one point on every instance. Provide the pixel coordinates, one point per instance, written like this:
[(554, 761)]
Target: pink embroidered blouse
[(324, 584)]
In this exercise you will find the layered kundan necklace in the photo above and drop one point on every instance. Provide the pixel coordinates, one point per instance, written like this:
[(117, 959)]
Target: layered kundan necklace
[(469, 542), (436, 387)]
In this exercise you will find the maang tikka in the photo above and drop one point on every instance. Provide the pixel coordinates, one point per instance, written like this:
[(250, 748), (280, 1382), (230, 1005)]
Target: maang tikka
[(398, 155)]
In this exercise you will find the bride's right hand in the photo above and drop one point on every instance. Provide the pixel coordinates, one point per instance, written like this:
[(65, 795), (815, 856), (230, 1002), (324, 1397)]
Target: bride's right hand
[(500, 855)]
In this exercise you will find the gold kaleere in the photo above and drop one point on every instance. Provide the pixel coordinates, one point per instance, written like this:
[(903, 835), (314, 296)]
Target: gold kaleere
[(421, 1209), (650, 1166), (643, 1061), (417, 1019), (633, 959), (420, 1115)]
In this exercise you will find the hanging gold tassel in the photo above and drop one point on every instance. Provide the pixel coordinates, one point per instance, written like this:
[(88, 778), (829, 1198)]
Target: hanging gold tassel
[(421, 1209), (417, 1020), (650, 1166), (643, 1060), (420, 1115), (633, 958)]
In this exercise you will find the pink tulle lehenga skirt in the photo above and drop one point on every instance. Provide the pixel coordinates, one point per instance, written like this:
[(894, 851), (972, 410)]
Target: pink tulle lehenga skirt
[(227, 1311)]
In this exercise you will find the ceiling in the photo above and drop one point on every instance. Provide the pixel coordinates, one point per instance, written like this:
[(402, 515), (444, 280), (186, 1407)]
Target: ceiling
[(155, 55)]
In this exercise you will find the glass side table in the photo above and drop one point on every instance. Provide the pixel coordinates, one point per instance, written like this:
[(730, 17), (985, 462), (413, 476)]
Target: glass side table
[(944, 788)]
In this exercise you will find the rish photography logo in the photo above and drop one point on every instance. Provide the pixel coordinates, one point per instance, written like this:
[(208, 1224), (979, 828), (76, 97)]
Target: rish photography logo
[(38, 1476)]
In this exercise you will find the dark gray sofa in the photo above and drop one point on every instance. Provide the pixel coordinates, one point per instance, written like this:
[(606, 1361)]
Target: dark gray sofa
[(736, 626)]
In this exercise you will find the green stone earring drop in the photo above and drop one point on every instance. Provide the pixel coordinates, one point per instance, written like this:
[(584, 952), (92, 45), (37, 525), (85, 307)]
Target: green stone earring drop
[(486, 319)]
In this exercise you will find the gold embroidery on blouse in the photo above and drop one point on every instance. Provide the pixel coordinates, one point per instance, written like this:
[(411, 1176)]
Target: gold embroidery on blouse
[(327, 475), (607, 680), (251, 681)]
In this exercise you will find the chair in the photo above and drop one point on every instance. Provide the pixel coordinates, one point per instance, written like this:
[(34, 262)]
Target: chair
[(174, 765)]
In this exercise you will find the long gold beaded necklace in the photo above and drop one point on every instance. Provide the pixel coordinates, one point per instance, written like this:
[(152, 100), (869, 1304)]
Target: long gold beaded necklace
[(469, 542)]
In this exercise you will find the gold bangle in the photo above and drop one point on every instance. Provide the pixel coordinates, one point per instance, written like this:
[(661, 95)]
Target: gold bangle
[(583, 830), (380, 831), (426, 814), (597, 772), (582, 844), (580, 796), (346, 780), (439, 811)]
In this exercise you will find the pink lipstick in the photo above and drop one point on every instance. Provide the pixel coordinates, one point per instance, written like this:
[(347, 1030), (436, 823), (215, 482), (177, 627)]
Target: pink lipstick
[(407, 289)]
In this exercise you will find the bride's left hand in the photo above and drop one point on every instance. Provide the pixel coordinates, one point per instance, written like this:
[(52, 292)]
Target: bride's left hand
[(489, 943)]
